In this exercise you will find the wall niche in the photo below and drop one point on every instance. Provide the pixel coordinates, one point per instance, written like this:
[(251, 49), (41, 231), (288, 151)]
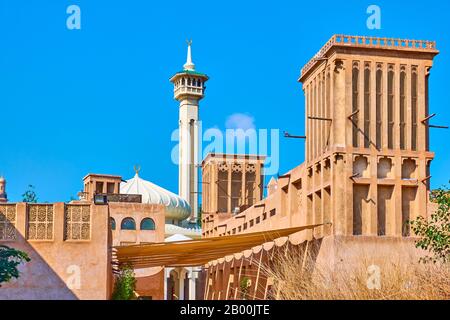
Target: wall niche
[(409, 169), (361, 167), (384, 170)]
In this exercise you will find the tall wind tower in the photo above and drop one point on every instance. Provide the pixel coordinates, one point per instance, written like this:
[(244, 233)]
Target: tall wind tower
[(189, 89)]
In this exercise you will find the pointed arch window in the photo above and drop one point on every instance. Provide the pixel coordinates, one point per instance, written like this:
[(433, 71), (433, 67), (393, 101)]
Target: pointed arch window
[(112, 223)]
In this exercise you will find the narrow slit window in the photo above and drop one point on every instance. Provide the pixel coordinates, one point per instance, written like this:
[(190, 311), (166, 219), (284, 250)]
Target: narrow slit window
[(390, 109), (379, 113), (402, 109), (355, 99), (367, 106), (427, 110), (414, 109)]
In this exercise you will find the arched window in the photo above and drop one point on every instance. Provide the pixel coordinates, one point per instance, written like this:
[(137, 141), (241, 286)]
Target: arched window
[(128, 224), (183, 82), (112, 223), (147, 224)]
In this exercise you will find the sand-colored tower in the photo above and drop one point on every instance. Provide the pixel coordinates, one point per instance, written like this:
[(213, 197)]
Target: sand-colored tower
[(189, 89), (3, 195), (367, 149), (232, 183)]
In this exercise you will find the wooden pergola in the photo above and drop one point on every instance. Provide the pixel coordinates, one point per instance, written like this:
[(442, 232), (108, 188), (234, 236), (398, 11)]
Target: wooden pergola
[(196, 252)]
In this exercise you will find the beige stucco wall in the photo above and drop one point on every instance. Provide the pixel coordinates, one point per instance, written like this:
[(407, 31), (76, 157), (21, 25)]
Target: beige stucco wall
[(137, 211), (56, 263), (345, 179), (149, 282)]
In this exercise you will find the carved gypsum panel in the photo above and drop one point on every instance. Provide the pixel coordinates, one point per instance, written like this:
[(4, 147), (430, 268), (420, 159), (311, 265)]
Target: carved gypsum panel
[(77, 222), (7, 222), (40, 222)]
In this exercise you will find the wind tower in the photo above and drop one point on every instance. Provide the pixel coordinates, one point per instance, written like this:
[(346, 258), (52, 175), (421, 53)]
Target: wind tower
[(189, 89)]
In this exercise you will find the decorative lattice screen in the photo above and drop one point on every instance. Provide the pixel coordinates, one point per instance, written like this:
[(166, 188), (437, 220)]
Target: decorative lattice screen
[(77, 222), (8, 222), (40, 222)]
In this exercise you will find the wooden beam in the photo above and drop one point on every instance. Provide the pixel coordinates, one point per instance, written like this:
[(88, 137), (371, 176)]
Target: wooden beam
[(428, 118), (319, 118), (352, 114), (437, 127), (288, 135)]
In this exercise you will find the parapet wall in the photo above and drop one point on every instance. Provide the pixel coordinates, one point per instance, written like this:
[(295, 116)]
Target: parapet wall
[(69, 247)]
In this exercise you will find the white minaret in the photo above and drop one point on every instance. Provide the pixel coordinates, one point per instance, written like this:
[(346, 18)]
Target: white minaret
[(189, 89)]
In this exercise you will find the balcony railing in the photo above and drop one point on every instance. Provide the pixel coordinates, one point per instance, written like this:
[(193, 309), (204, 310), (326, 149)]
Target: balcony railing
[(115, 197), (188, 89), (370, 42), (112, 197)]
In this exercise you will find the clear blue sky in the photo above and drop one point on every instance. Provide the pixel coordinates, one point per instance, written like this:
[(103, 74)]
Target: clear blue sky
[(99, 100)]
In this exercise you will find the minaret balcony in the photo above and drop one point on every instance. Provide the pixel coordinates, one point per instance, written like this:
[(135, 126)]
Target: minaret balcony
[(188, 90)]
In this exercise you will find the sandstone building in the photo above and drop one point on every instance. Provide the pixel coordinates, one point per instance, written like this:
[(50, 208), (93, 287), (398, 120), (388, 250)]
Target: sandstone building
[(367, 160)]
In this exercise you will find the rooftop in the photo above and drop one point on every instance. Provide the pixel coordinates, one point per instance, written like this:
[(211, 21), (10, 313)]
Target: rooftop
[(339, 40), (230, 157), (102, 176), (189, 72)]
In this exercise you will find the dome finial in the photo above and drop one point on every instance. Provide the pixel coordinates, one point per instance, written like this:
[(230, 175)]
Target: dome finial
[(189, 65), (137, 169)]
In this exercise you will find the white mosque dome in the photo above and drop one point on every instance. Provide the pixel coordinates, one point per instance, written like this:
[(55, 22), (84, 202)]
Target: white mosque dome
[(176, 207), (192, 233)]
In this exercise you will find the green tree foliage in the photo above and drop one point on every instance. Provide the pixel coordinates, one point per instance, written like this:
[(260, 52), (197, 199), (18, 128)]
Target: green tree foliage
[(9, 260), (434, 232), (245, 285), (125, 284), (30, 195)]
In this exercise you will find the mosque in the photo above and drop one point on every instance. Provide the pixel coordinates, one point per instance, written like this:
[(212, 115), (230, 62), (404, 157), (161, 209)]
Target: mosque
[(366, 174)]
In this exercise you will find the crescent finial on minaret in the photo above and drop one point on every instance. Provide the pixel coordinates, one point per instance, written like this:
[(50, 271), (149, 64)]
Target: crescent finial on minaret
[(137, 169)]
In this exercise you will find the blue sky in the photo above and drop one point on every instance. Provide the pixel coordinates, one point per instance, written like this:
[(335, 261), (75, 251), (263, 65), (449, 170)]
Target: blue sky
[(99, 100)]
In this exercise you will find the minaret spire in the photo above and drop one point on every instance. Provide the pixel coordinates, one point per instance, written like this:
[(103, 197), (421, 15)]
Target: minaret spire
[(189, 65)]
